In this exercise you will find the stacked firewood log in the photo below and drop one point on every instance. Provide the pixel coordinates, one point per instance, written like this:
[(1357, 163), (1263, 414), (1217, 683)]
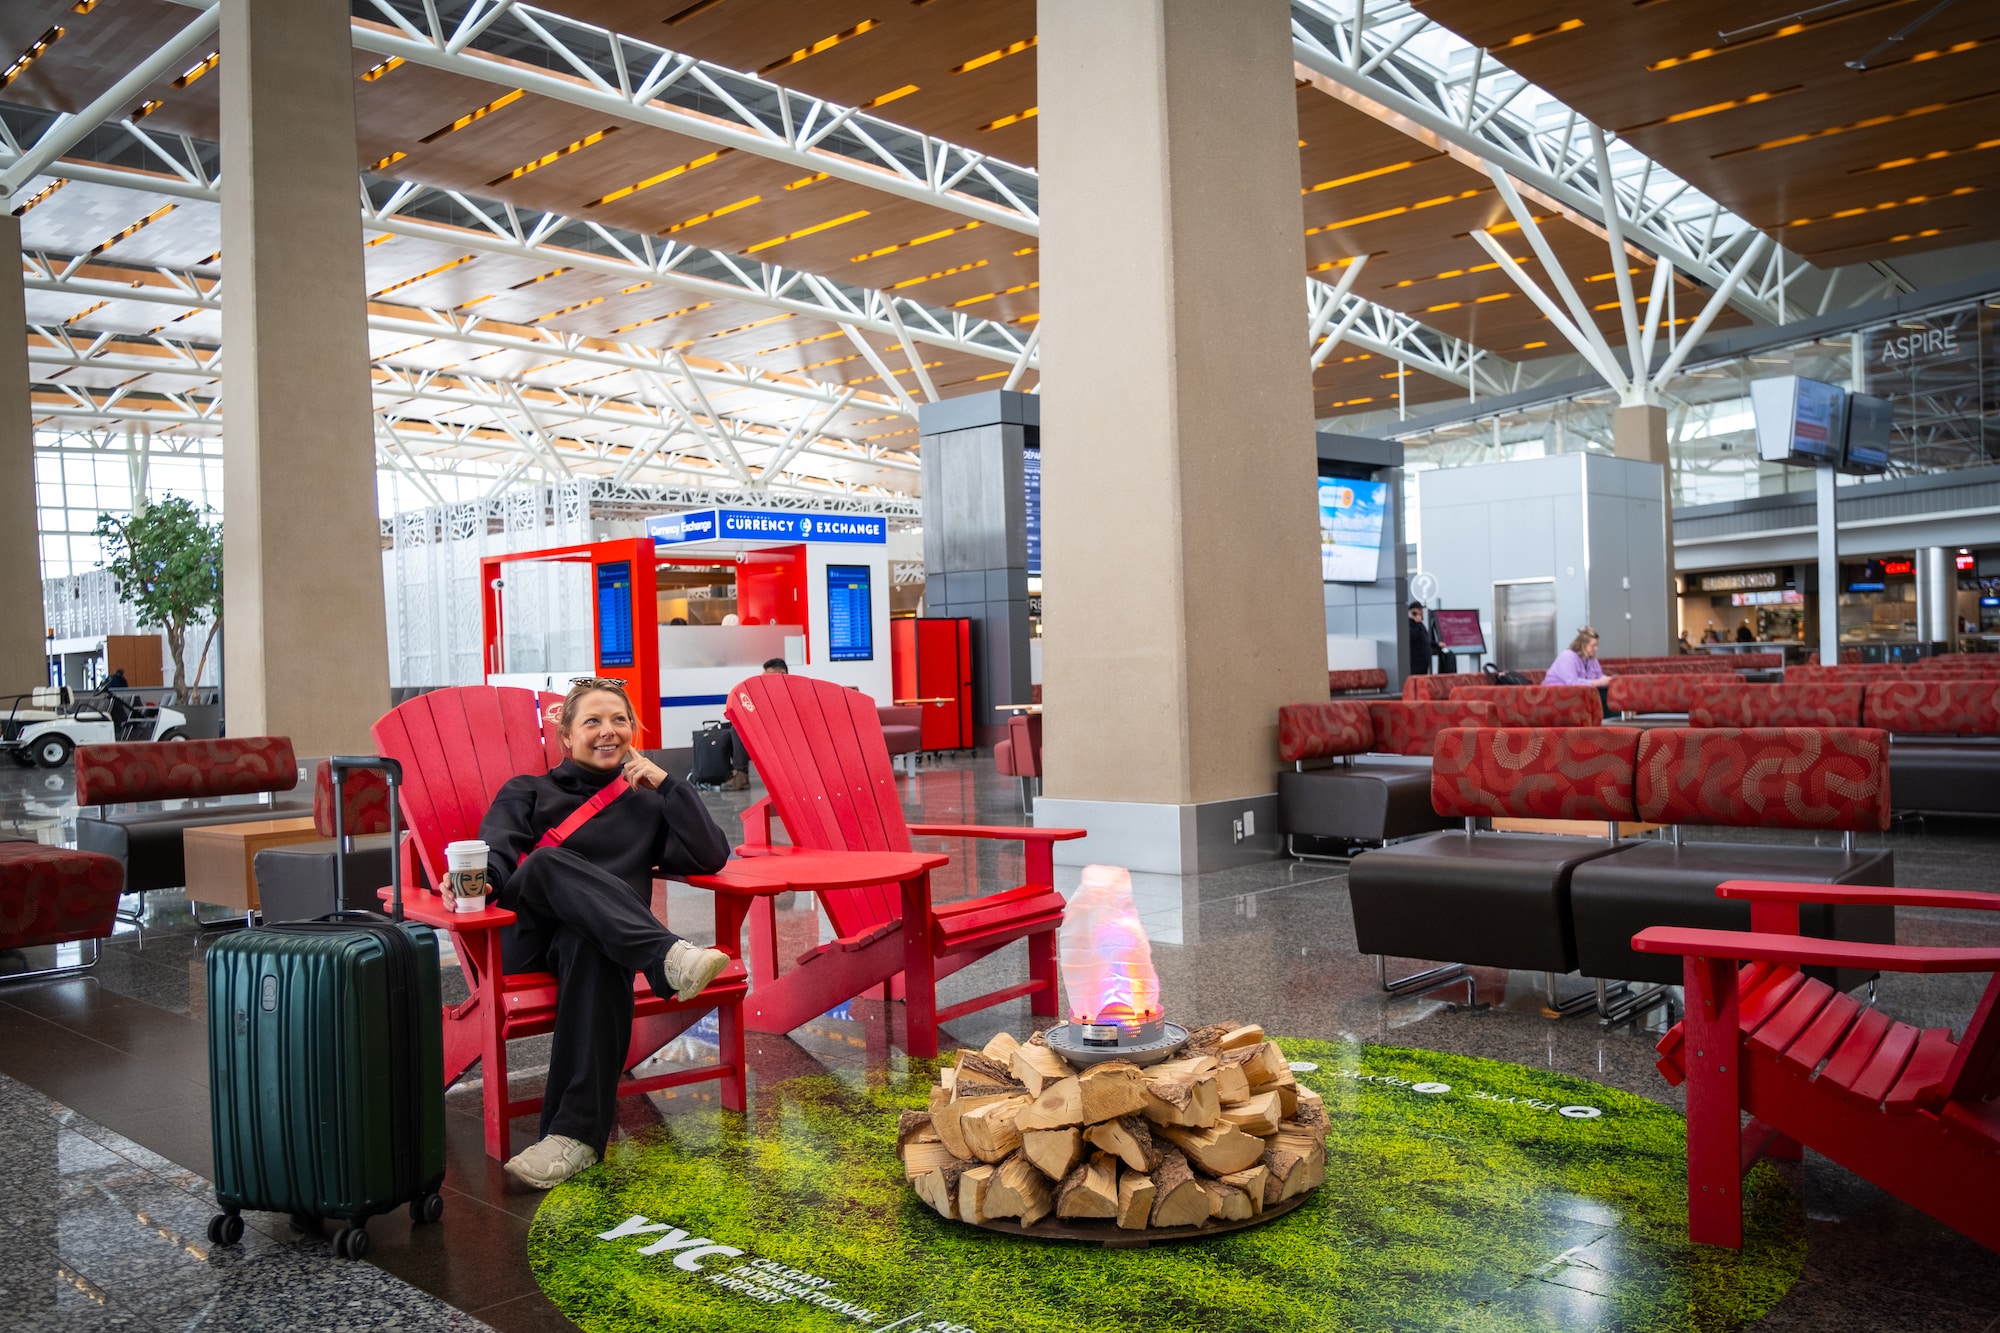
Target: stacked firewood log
[(1218, 1133)]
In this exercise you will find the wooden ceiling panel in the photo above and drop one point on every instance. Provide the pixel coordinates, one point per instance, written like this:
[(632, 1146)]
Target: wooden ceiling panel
[(1774, 123), (93, 52)]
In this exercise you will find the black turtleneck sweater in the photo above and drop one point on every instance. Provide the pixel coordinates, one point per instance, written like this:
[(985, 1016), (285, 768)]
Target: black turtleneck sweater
[(664, 830)]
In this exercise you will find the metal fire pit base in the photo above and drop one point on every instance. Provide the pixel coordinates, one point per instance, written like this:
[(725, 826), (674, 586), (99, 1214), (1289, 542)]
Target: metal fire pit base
[(1113, 1237), (1063, 1041)]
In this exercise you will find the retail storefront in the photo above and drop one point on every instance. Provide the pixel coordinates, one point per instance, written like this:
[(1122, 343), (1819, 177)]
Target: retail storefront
[(1766, 604)]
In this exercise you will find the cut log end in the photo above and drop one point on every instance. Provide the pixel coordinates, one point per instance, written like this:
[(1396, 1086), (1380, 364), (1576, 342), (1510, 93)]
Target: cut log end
[(1178, 1200)]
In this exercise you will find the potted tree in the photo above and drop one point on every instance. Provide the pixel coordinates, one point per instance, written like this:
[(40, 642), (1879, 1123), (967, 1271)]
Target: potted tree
[(166, 560)]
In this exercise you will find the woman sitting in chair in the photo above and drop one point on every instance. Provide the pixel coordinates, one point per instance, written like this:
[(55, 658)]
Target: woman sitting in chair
[(584, 911)]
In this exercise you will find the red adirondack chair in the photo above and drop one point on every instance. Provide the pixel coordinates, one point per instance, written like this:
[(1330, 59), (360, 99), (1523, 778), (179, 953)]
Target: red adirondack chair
[(1911, 1110), (819, 749), (457, 747)]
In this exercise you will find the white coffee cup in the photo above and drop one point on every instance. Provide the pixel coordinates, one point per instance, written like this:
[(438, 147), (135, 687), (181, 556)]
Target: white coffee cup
[(465, 877)]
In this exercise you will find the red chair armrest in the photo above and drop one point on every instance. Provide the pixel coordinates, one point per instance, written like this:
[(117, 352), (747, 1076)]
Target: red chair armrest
[(996, 831), (1747, 946), (424, 906), (1858, 895)]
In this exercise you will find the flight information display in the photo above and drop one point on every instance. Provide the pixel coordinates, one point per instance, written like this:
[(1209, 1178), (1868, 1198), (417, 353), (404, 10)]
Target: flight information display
[(1031, 483), (614, 614), (850, 626)]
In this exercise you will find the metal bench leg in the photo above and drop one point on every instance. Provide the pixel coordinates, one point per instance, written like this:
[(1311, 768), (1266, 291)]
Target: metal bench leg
[(1428, 979), (1617, 1003), (1560, 1008), (66, 969)]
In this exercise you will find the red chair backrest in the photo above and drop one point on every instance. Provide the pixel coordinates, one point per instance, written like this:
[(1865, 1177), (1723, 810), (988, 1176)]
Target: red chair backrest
[(1536, 772), (1324, 730), (1773, 777), (458, 747), (184, 770), (1935, 707), (1812, 703), (819, 749), (1025, 731), (1537, 705)]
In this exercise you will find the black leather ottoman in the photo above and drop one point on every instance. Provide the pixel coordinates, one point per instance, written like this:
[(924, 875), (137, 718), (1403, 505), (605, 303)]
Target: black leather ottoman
[(296, 883), (1487, 899), (1957, 775), (1650, 883), (1370, 801), (149, 841)]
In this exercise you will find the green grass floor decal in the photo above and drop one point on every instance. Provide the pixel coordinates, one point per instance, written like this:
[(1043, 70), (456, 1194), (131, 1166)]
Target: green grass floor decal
[(1461, 1194)]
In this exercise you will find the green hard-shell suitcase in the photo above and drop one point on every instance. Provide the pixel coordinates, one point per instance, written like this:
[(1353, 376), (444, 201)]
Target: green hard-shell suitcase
[(326, 1063)]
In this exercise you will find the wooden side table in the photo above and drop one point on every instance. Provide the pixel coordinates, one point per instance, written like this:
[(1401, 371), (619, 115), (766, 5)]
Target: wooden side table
[(219, 859)]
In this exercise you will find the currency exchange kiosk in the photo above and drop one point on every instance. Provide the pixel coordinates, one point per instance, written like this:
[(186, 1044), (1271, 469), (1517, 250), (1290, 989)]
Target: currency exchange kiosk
[(748, 585)]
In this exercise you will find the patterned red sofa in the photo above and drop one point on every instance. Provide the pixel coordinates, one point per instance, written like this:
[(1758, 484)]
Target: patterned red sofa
[(1569, 903), (1807, 704), (1368, 680), (1537, 705), (1666, 691), (1439, 686), (147, 842), (1380, 787), (55, 895), (1945, 753)]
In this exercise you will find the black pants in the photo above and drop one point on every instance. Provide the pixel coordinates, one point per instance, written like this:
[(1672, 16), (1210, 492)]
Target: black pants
[(595, 933), (739, 758)]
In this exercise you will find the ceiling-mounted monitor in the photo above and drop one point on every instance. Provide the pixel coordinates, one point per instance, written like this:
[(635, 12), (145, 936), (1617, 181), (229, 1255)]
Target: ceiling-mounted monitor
[(1799, 420), (1869, 421)]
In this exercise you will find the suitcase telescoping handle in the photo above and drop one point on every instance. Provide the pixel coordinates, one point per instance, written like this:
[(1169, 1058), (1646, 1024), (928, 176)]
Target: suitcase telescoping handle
[(393, 771)]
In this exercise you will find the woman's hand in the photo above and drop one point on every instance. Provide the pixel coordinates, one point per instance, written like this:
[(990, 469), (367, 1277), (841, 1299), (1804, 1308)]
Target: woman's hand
[(643, 772)]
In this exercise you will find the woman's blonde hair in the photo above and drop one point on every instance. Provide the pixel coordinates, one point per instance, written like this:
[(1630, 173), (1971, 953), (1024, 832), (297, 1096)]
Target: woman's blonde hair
[(591, 685), (1584, 635)]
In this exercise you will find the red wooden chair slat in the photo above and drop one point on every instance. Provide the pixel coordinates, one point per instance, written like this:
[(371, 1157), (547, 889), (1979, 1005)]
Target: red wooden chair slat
[(820, 751), (1793, 1017), (1773, 1064), (1885, 1066), (1863, 1040), (458, 747), (1922, 1082), (1823, 1034)]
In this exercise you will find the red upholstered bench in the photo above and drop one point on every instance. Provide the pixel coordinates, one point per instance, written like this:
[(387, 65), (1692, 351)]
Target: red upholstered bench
[(1803, 704), (1495, 899), (1666, 691), (902, 731), (1370, 680), (55, 895), (1537, 705), (1944, 755), (148, 842), (1439, 687), (1378, 789)]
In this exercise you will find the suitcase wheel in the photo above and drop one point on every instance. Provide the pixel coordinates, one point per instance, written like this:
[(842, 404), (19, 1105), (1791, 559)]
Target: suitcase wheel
[(305, 1222), (225, 1229), (427, 1208), (351, 1242)]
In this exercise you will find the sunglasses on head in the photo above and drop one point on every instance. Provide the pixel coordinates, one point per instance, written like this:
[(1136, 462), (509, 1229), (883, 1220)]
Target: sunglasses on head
[(597, 683)]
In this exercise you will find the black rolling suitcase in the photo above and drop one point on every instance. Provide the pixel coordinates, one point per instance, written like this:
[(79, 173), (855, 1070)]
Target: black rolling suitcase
[(326, 1064), (711, 754)]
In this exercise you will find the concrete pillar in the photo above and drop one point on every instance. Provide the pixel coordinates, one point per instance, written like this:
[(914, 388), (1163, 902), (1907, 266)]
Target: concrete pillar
[(1641, 432), (1937, 600), (1182, 601), (306, 652), (975, 537), (23, 647)]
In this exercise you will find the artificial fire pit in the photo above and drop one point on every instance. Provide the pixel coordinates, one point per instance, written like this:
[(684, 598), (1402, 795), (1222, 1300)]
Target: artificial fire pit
[(1117, 1126)]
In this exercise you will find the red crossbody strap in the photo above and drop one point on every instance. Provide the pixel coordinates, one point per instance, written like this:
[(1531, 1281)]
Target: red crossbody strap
[(585, 813)]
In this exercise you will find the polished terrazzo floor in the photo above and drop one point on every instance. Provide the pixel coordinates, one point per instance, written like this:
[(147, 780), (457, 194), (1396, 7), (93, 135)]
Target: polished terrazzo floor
[(124, 1049)]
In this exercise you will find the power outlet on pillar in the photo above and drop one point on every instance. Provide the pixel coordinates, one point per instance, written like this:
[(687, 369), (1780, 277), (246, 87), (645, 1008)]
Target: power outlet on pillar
[(1246, 827)]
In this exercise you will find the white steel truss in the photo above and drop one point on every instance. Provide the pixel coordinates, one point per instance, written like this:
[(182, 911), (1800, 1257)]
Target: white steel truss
[(1391, 54), (499, 41)]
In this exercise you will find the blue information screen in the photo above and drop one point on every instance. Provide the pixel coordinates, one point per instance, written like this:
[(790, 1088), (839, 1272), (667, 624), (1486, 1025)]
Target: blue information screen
[(850, 629), (614, 614), (1031, 478)]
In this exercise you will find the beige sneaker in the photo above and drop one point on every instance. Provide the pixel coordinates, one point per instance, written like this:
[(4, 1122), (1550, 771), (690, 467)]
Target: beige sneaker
[(690, 968), (549, 1163)]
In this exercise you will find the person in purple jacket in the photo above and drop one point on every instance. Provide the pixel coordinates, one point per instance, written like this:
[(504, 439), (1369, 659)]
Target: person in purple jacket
[(1577, 664)]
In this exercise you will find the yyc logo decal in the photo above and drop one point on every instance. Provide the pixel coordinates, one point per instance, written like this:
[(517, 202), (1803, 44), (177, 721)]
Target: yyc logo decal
[(1433, 1089)]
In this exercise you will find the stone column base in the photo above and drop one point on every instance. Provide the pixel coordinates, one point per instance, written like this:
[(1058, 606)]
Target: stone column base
[(1165, 839)]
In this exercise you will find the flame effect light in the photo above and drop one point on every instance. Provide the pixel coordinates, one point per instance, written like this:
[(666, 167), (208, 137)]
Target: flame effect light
[(1107, 962)]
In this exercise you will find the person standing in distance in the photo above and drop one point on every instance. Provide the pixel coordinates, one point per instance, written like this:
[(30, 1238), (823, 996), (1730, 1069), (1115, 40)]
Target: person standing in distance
[(739, 758), (1422, 647)]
